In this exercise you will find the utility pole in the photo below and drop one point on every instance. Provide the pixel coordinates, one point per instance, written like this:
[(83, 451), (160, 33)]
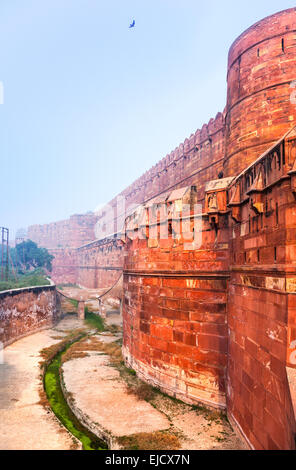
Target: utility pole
[(4, 253)]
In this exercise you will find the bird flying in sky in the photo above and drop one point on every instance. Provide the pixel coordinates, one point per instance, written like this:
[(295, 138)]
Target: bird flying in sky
[(132, 25)]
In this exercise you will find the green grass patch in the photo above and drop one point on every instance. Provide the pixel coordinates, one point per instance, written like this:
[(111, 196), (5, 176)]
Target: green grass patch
[(74, 302), (69, 284), (130, 371), (93, 320), (61, 409)]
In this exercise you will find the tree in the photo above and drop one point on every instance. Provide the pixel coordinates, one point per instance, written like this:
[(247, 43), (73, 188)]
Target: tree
[(27, 256)]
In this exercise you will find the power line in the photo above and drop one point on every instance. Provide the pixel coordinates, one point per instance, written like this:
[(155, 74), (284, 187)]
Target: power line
[(4, 253)]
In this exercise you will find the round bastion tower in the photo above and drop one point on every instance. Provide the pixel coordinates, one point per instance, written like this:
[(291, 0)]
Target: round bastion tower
[(261, 71)]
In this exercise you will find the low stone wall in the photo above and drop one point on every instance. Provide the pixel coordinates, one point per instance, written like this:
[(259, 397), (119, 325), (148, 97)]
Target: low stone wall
[(25, 311)]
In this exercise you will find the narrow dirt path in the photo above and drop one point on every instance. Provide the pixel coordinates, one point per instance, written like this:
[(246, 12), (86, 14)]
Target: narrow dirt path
[(25, 424)]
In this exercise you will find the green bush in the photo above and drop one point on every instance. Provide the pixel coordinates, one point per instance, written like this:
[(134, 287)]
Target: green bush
[(31, 279)]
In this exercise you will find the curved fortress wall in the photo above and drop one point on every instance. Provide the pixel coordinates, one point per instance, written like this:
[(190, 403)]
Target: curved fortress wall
[(174, 308), (216, 323), (261, 68), (230, 339), (261, 375)]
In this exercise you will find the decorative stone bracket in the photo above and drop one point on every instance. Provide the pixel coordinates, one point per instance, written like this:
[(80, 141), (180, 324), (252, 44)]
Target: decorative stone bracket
[(235, 202), (256, 194), (216, 199)]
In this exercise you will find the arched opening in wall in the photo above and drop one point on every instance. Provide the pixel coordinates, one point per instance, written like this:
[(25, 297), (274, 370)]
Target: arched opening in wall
[(275, 254), (276, 213), (283, 45), (258, 52), (258, 256)]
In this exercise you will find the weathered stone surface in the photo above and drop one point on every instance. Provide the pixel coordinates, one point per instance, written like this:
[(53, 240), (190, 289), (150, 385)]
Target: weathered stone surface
[(100, 263), (23, 311), (97, 389), (25, 423)]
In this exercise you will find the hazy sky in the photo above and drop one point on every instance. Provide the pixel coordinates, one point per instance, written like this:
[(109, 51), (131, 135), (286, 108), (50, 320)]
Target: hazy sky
[(90, 105)]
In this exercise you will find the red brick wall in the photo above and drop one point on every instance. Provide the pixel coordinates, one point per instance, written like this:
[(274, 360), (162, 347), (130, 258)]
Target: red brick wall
[(174, 312), (219, 322), (24, 311), (64, 266), (61, 239), (261, 307), (259, 110), (70, 233), (184, 324), (99, 264)]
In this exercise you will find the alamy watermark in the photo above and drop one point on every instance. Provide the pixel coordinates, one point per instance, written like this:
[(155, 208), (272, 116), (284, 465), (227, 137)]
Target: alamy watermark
[(152, 221)]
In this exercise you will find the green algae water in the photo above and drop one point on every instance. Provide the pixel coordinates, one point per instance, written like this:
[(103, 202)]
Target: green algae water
[(61, 409)]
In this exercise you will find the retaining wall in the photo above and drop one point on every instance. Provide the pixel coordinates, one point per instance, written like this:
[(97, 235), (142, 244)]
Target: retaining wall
[(28, 310)]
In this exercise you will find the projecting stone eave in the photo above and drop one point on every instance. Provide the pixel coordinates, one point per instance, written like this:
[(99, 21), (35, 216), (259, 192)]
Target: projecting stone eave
[(291, 132)]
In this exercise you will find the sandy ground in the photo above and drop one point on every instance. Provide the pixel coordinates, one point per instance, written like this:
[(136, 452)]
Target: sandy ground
[(25, 424)]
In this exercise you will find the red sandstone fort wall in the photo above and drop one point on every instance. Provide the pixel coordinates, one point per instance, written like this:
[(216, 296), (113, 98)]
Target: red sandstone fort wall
[(64, 266), (261, 302), (99, 264), (261, 67), (61, 239), (196, 161), (70, 233), (190, 314), (217, 324), (174, 312)]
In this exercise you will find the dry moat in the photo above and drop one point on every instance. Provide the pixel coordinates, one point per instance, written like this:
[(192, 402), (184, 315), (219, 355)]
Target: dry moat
[(111, 407)]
